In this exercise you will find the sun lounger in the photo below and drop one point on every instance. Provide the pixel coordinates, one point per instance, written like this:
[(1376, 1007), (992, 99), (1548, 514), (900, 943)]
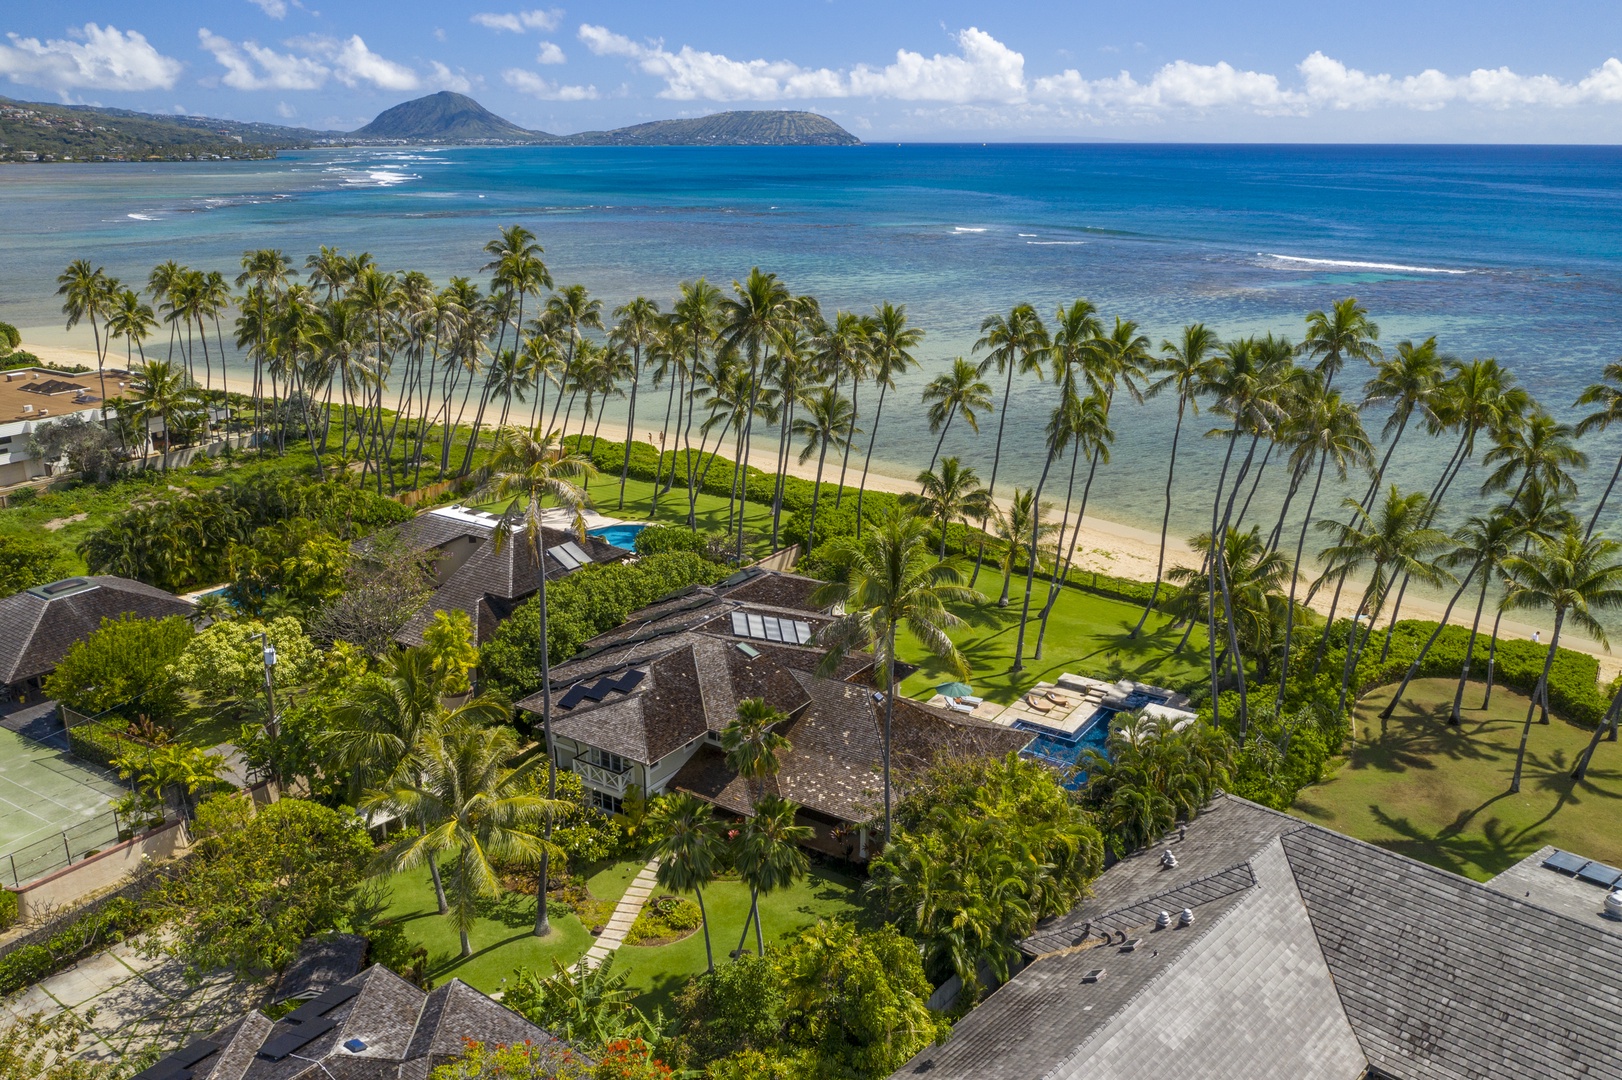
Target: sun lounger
[(959, 705), (971, 701), (1058, 699), (1037, 703)]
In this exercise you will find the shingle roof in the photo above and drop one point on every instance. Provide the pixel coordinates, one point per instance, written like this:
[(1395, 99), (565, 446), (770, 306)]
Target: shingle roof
[(322, 961), (37, 629), (1310, 954), (406, 1032)]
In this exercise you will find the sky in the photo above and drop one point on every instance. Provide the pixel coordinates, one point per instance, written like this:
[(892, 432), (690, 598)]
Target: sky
[(888, 70)]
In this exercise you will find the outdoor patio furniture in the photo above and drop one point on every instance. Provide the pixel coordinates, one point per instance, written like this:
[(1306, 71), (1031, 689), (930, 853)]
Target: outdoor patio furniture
[(1037, 703), (1058, 699), (959, 705)]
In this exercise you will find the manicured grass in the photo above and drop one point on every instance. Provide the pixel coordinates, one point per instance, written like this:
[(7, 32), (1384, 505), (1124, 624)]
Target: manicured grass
[(502, 935), (1440, 794), (657, 972), (1087, 635)]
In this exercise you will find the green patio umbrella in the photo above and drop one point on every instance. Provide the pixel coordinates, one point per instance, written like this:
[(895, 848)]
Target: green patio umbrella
[(954, 689)]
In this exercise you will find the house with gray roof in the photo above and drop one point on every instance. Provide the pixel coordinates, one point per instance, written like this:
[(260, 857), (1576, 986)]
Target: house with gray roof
[(644, 705), (1251, 943), (38, 626), (372, 1026), (473, 573)]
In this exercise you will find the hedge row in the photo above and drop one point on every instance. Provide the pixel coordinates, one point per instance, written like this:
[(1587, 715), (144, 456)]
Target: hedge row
[(108, 924), (98, 743)]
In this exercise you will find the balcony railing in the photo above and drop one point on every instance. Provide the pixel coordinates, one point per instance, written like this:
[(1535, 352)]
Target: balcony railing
[(601, 777)]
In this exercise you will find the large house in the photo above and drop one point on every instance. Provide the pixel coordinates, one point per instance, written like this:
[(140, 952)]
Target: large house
[(33, 396), (1254, 944), (644, 706), (472, 573), (372, 1026), (39, 625)]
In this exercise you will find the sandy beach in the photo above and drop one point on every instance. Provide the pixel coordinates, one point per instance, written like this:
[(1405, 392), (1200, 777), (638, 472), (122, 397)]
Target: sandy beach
[(1102, 545)]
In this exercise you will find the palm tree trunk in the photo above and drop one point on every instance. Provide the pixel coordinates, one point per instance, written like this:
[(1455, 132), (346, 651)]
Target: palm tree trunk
[(463, 901), (748, 917), (1354, 644), (1492, 657), (1165, 520), (1594, 518), (542, 925), (1540, 690), (1469, 652), (1607, 721), (659, 458), (816, 493), (1256, 482), (1030, 568), (942, 440), (1062, 555), (1295, 574), (1413, 668), (743, 453), (630, 423), (867, 460), (754, 911), (890, 690), (704, 919), (844, 462), (996, 460), (1211, 576), (786, 410)]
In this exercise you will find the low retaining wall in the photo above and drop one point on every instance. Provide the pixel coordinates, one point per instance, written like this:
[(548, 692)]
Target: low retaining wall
[(68, 885)]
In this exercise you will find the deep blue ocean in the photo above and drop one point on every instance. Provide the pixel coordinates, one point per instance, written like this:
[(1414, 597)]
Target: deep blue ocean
[(1512, 252)]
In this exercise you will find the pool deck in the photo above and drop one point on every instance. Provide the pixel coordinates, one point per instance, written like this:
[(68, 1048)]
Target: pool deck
[(1081, 697)]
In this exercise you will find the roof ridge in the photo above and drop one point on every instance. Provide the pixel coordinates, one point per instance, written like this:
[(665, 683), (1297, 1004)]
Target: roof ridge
[(1244, 865)]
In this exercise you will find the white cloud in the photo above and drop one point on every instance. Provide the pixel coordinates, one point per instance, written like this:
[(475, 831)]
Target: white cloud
[(250, 66), (95, 58), (285, 111), (985, 70), (527, 82), (446, 79), (516, 22), (276, 9), (353, 63), (1328, 82), (550, 53), (1178, 85)]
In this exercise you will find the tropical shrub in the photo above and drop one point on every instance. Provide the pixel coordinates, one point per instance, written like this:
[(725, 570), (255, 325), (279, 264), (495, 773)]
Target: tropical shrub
[(8, 909), (587, 1006), (514, 1061), (27, 561), (225, 662), (664, 918), (123, 668), (294, 565), (737, 1007), (984, 848), (661, 539), (105, 925)]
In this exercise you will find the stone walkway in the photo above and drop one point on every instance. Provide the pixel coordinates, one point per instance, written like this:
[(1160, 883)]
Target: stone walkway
[(625, 913), (133, 1001)]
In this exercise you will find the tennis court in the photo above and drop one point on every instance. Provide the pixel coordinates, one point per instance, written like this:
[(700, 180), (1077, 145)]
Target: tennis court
[(52, 805)]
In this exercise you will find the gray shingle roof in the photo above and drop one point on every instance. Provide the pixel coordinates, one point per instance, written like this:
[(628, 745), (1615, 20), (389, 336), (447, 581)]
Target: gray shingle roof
[(1310, 954), (37, 630)]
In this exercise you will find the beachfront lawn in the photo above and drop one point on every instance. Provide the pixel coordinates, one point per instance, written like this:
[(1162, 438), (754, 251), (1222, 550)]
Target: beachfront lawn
[(1441, 795), (1087, 635), (656, 972)]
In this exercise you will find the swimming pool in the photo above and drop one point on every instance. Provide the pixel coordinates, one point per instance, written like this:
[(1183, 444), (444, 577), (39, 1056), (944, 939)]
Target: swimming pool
[(621, 536), (1067, 751)]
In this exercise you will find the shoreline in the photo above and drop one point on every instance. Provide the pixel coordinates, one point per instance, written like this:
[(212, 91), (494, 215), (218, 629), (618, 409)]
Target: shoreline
[(1103, 545)]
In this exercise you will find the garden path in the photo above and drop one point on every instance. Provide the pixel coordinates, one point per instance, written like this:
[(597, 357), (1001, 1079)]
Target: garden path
[(625, 912)]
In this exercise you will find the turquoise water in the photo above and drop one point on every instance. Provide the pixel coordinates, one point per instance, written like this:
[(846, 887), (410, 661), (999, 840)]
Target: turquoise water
[(1066, 751), (621, 536), (1513, 252)]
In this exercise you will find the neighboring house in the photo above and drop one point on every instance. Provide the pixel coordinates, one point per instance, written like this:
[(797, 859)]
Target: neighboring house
[(473, 574), (32, 396), (1255, 944), (644, 706), (374, 1026), (39, 625)]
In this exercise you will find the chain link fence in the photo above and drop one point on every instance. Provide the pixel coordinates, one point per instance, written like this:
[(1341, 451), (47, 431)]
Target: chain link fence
[(73, 844)]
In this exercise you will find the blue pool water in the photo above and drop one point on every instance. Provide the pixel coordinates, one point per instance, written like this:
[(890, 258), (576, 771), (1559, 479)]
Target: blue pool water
[(622, 536), (1067, 751)]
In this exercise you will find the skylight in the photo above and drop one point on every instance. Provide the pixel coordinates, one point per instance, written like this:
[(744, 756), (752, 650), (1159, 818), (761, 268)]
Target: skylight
[(570, 554)]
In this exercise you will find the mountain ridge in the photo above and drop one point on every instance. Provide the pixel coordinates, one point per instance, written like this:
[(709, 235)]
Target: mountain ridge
[(38, 131)]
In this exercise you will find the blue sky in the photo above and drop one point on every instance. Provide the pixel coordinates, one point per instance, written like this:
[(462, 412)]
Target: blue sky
[(1488, 71)]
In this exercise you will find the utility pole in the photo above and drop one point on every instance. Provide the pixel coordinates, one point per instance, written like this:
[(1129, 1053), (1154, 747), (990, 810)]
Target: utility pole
[(271, 727)]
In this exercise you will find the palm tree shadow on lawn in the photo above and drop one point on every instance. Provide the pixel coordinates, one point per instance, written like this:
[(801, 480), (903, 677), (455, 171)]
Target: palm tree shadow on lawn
[(1496, 848), (1415, 739)]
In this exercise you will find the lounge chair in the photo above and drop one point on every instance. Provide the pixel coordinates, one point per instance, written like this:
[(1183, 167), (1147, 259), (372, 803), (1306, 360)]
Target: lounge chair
[(959, 705), (971, 701), (1057, 699), (1037, 703)]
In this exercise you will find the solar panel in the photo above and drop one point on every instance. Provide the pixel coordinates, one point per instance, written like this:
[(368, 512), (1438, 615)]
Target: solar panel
[(1597, 873), (563, 555), (575, 696), (279, 1047), (179, 1063), (601, 689), (628, 681), (771, 628), (323, 1002), (578, 553), (1565, 862), (740, 624), (802, 631)]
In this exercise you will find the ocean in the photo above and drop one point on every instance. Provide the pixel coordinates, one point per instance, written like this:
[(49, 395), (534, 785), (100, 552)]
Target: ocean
[(1510, 252)]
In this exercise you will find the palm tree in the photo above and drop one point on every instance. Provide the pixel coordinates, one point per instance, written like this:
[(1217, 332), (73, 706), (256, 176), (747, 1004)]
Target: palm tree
[(1342, 333), (892, 342), (960, 390), (689, 849), (1013, 525), (751, 746), (517, 272), (1186, 368), (1330, 430), (1394, 541), (694, 325), (751, 319), (87, 291), (891, 580), (791, 371), (131, 320), (829, 423), (265, 272), (1538, 513), (1065, 424), (163, 391), (769, 857), (528, 468), (163, 279), (1255, 575), (1577, 576), (637, 326), (478, 808), (1015, 342), (1607, 395), (847, 354), (953, 492)]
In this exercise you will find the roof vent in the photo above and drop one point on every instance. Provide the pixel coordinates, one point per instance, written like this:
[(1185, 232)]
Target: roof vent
[(1186, 918), (1092, 976), (1168, 861), (1132, 946), (1613, 905), (1163, 920)]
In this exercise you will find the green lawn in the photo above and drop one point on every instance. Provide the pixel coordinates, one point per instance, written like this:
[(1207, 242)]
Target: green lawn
[(657, 972), (502, 936), (1440, 794), (1087, 635)]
